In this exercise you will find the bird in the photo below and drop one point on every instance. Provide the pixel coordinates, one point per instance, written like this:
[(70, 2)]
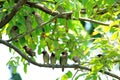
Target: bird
[(63, 60), (45, 57), (53, 60), (39, 19), (76, 59), (29, 51), (28, 24), (14, 32)]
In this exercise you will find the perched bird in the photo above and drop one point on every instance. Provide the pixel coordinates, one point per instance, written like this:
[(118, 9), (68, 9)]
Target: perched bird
[(28, 24), (76, 59), (39, 19), (14, 32), (63, 59), (29, 51), (53, 60), (45, 57)]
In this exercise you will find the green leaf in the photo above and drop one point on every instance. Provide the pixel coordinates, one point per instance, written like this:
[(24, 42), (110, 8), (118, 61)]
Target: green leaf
[(84, 2), (98, 66), (69, 74), (94, 77), (39, 49), (42, 43), (25, 67), (109, 2), (76, 14), (88, 77), (35, 37), (22, 41), (14, 69)]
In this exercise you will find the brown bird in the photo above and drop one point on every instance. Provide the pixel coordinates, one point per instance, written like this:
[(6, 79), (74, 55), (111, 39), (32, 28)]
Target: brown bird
[(45, 57), (29, 51), (53, 60), (76, 59), (39, 19), (14, 32), (63, 59), (28, 24)]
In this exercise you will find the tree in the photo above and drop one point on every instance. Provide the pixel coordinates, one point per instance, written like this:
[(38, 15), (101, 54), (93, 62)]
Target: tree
[(60, 26)]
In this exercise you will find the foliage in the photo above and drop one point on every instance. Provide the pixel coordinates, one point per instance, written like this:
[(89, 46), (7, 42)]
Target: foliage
[(69, 34)]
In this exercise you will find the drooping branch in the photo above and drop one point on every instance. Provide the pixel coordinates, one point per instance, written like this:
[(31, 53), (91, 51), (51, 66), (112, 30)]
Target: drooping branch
[(9, 16), (49, 65), (67, 15)]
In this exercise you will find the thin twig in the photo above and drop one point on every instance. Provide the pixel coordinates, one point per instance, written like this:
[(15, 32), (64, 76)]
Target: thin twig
[(75, 74), (67, 15), (43, 24)]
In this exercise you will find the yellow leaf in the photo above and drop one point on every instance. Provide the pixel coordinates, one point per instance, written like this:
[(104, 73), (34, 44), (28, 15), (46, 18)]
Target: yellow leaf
[(4, 31), (115, 23), (97, 40), (106, 29), (95, 33), (86, 51), (4, 10), (97, 67), (114, 36), (64, 77)]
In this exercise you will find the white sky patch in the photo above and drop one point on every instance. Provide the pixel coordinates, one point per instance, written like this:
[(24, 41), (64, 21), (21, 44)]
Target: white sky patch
[(4, 58)]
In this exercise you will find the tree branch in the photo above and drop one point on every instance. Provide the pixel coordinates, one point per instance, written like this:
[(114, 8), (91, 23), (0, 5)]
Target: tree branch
[(9, 16), (43, 24), (49, 65), (67, 15)]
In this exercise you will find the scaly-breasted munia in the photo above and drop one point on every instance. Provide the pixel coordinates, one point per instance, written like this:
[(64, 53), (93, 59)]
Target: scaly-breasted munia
[(14, 32), (76, 59), (29, 51), (45, 57), (28, 24), (53, 60), (63, 59)]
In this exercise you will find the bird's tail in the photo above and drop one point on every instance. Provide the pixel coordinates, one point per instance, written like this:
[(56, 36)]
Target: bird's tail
[(53, 67), (62, 68)]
